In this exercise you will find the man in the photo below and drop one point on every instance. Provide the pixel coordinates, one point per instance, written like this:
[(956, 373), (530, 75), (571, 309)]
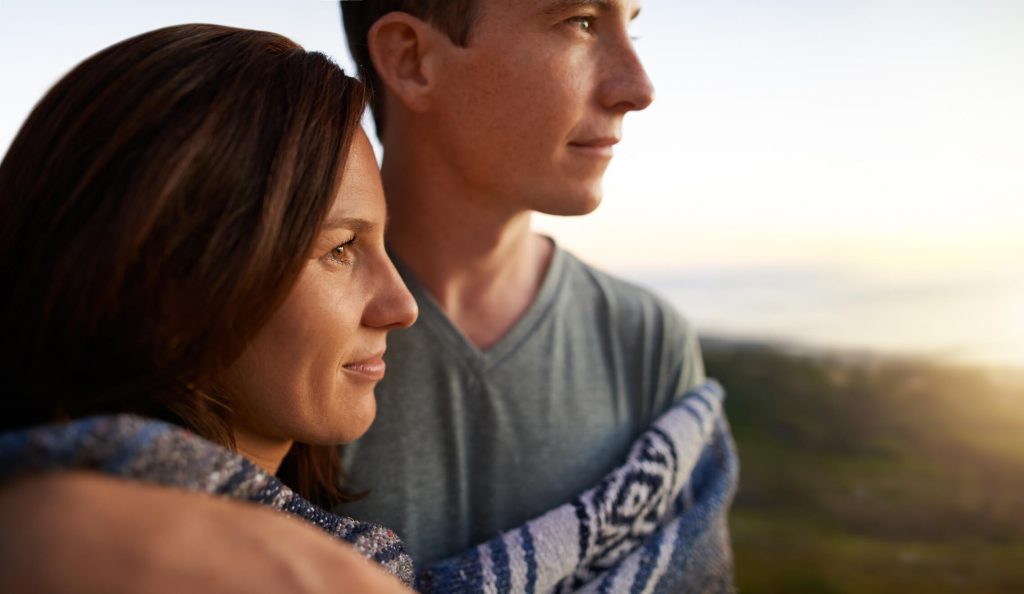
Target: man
[(529, 372)]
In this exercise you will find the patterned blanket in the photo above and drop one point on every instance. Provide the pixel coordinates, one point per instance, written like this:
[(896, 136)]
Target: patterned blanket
[(655, 524)]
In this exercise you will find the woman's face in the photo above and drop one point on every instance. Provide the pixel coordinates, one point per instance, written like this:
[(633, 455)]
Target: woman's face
[(309, 374)]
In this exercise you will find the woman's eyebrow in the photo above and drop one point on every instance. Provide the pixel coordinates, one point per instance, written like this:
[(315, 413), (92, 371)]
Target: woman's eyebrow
[(353, 223)]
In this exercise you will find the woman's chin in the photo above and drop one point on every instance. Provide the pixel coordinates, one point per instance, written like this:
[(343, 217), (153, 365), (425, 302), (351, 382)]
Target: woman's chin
[(354, 423)]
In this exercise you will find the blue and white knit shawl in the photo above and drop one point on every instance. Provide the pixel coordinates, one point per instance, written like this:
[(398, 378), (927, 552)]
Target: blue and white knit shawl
[(657, 523), (150, 451)]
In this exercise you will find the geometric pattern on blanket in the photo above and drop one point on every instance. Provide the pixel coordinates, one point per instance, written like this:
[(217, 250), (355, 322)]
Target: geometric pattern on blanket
[(656, 523), (155, 452)]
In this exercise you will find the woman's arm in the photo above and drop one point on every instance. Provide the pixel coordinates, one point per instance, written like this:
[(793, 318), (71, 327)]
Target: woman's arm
[(81, 532)]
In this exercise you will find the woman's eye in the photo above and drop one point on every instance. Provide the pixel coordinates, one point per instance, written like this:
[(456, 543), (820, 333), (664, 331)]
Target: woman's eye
[(340, 253)]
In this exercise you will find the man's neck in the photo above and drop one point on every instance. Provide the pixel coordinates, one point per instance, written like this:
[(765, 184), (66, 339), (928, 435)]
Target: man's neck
[(482, 265)]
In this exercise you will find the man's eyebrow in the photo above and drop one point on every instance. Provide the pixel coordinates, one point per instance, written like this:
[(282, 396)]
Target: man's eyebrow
[(560, 6), (565, 5)]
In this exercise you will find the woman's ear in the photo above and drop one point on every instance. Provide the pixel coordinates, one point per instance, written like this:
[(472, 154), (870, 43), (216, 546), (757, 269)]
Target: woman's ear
[(402, 47)]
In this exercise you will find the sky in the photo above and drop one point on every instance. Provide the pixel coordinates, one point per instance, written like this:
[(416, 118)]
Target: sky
[(840, 172)]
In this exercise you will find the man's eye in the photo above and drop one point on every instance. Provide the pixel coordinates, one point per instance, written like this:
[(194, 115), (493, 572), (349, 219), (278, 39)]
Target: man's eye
[(583, 23)]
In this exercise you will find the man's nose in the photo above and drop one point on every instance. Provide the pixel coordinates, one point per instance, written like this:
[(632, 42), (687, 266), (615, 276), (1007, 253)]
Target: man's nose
[(625, 86)]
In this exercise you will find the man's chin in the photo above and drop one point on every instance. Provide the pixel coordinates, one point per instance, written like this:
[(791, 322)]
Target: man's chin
[(572, 205)]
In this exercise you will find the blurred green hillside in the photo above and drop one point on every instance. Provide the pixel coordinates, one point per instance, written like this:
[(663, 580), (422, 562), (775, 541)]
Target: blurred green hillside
[(867, 475)]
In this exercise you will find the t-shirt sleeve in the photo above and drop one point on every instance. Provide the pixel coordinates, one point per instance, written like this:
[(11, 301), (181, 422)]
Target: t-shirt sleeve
[(680, 366), (654, 355), (662, 351)]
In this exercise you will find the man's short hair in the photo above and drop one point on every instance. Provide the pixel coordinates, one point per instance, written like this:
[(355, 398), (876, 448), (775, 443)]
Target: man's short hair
[(453, 17)]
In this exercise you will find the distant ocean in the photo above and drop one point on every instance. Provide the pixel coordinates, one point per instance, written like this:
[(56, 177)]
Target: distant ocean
[(967, 319)]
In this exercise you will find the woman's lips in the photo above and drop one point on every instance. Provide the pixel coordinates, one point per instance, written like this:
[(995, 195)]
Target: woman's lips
[(371, 369)]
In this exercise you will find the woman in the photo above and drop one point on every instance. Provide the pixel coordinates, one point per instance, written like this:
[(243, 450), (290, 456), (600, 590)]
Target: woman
[(191, 230)]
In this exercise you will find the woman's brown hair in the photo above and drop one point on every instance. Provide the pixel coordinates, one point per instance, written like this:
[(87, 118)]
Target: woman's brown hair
[(156, 208)]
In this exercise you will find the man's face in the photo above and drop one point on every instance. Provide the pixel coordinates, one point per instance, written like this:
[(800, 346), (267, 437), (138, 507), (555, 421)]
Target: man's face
[(529, 111)]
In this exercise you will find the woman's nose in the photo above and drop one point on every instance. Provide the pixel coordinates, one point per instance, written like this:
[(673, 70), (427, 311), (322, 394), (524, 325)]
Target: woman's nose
[(393, 306)]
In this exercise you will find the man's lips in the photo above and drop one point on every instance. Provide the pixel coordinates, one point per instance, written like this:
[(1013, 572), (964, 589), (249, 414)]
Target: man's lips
[(595, 147), (371, 368)]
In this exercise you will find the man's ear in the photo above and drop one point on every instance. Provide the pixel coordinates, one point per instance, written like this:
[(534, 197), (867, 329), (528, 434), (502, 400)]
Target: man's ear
[(402, 48)]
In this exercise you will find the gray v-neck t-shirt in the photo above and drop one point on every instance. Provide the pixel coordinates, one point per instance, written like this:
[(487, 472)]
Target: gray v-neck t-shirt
[(468, 444)]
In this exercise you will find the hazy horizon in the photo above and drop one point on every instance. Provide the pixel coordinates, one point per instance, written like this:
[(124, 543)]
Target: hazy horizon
[(975, 320)]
